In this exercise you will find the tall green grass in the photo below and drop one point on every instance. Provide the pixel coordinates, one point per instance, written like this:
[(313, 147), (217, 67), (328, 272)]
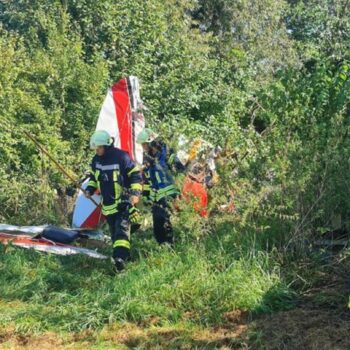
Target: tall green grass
[(197, 281)]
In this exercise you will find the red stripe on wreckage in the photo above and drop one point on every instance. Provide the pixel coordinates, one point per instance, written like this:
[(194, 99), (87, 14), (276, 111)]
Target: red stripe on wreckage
[(92, 219), (124, 116)]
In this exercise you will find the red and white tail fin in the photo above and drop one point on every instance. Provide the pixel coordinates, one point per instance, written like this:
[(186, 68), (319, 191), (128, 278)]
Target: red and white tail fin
[(121, 115)]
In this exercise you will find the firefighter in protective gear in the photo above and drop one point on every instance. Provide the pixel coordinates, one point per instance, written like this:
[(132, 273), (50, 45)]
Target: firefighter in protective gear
[(116, 176), (159, 188)]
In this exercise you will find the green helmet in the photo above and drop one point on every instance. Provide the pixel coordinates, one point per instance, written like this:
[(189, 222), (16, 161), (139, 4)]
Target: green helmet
[(100, 138), (145, 136)]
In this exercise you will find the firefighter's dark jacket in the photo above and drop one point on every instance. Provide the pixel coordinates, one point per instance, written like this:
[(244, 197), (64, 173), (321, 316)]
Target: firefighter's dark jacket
[(158, 181), (116, 176)]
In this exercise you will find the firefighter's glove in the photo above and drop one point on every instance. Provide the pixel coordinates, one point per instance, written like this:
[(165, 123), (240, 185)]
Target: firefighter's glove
[(71, 190), (147, 200), (134, 215)]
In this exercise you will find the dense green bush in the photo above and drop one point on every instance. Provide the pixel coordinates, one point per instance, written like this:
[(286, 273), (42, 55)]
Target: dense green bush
[(266, 80)]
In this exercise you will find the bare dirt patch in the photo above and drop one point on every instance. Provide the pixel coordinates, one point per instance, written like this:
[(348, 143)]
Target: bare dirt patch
[(307, 329)]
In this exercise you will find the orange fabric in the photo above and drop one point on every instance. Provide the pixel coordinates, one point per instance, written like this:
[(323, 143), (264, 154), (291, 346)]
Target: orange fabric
[(196, 194)]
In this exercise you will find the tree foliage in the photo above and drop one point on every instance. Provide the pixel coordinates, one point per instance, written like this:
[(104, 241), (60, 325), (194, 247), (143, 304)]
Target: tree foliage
[(266, 80)]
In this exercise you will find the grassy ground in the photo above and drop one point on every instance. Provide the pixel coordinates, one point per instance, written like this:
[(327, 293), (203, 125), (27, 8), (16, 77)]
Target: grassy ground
[(217, 289)]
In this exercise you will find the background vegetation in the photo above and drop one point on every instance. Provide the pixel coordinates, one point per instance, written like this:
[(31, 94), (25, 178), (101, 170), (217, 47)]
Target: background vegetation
[(266, 80)]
